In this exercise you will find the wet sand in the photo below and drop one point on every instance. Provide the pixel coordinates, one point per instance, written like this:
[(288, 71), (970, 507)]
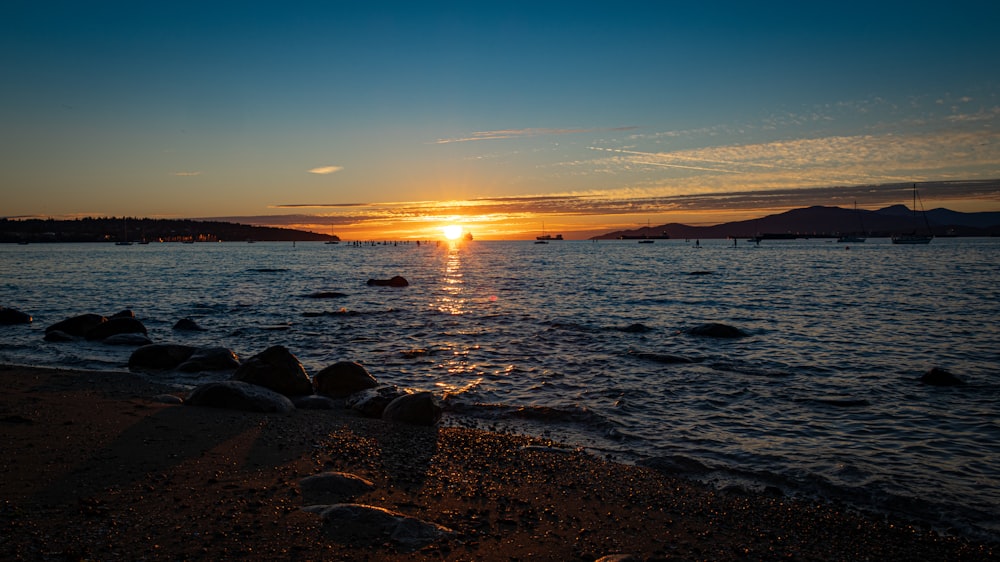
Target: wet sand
[(93, 466)]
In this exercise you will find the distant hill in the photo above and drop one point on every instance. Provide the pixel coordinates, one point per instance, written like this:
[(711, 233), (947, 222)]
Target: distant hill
[(152, 230), (830, 222)]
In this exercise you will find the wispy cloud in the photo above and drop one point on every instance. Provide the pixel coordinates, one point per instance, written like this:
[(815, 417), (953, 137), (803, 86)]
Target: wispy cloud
[(524, 133), (186, 174), (323, 170)]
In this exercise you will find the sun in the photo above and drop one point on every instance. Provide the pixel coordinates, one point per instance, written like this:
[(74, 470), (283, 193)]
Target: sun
[(452, 232)]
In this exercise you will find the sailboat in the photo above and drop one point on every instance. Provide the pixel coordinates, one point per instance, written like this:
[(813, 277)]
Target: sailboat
[(914, 237), (852, 238), (124, 241), (544, 238)]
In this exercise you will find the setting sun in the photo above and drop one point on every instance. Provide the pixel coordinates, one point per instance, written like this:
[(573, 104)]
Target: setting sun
[(452, 232)]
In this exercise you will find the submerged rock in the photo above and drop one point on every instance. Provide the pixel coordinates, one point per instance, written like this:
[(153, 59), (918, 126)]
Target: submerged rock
[(77, 325), (114, 326), (188, 325), (278, 369), (342, 379), (396, 281), (237, 395), (716, 330), (325, 295), (940, 377), (13, 316), (127, 339)]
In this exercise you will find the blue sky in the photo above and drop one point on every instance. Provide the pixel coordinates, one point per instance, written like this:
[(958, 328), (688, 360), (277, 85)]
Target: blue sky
[(365, 118)]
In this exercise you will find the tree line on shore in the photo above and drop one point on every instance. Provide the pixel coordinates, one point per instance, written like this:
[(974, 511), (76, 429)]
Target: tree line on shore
[(125, 229)]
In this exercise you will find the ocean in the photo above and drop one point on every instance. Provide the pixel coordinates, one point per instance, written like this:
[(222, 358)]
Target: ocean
[(586, 343)]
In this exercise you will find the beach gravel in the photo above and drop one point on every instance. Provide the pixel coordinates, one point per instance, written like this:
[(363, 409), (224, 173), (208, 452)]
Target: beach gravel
[(95, 467)]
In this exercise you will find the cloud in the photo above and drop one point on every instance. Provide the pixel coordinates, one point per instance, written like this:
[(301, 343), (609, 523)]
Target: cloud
[(524, 133), (186, 174), (323, 170)]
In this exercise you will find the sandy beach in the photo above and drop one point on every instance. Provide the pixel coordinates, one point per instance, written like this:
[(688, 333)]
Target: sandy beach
[(98, 466)]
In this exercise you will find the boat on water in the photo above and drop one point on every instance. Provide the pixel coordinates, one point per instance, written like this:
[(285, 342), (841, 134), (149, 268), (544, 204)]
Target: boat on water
[(855, 238), (544, 238), (915, 237), (645, 238), (124, 241)]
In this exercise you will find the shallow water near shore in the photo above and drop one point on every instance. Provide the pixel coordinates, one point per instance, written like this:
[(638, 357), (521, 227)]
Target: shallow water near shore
[(585, 342)]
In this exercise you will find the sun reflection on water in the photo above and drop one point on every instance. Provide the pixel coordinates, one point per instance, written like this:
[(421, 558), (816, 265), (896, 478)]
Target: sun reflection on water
[(452, 301)]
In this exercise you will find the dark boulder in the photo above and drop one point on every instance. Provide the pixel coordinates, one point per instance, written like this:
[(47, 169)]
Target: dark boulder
[(278, 369), (77, 325), (159, 357), (188, 325), (210, 359), (396, 281), (114, 326), (419, 408), (716, 330), (127, 339), (940, 377), (343, 378), (58, 336), (123, 314), (316, 402), (371, 402), (367, 525), (333, 487), (236, 395), (13, 316)]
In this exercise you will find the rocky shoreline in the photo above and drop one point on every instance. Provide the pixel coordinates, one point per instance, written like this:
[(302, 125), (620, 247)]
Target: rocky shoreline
[(96, 467)]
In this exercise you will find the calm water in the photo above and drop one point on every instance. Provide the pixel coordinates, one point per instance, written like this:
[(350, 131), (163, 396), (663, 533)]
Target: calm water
[(822, 398)]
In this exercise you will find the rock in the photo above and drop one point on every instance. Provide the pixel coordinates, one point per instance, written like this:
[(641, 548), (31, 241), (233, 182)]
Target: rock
[(333, 487), (325, 295), (168, 399), (396, 281), (237, 395), (13, 316), (123, 314), (127, 339), (278, 369), (419, 408), (371, 402), (940, 377), (188, 325), (316, 402), (210, 359), (115, 325), (617, 558), (58, 336), (369, 525), (715, 330), (77, 325), (159, 357), (343, 378)]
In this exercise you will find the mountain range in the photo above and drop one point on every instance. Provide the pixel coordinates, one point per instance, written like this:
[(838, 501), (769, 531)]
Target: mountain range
[(830, 222)]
